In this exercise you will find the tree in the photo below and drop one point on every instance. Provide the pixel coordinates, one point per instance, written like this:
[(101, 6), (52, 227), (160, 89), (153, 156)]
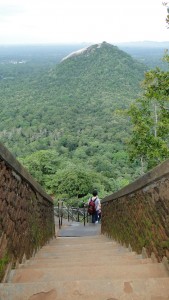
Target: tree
[(150, 118), (72, 182), (42, 165), (167, 18)]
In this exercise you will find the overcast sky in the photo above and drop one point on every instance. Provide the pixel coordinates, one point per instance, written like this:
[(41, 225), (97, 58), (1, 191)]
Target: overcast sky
[(65, 21)]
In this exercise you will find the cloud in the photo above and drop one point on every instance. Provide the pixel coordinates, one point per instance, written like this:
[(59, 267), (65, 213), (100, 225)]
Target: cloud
[(81, 20)]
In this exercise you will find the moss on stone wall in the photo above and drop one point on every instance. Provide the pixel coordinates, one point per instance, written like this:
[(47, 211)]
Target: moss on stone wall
[(3, 263), (26, 218), (140, 219)]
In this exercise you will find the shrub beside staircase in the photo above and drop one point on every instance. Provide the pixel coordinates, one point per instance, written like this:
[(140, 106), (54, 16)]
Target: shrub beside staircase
[(88, 267)]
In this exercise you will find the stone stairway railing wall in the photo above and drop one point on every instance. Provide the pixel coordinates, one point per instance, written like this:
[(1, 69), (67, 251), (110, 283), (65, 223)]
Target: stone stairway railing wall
[(138, 214), (26, 214)]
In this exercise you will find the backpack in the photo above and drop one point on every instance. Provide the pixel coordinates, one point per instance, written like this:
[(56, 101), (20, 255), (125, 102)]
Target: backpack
[(91, 207)]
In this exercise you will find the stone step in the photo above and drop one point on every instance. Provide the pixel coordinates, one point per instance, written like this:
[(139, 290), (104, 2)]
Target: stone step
[(71, 250), (82, 246), (78, 240), (85, 257), (53, 263), (74, 254), (84, 239), (86, 272), (121, 289)]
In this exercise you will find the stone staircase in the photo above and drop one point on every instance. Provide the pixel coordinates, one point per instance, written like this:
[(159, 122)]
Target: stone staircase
[(86, 268)]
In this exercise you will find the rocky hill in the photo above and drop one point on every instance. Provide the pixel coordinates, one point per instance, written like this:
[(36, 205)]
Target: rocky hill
[(76, 108)]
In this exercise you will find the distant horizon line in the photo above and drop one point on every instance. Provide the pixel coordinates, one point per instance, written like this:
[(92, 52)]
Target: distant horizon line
[(81, 43)]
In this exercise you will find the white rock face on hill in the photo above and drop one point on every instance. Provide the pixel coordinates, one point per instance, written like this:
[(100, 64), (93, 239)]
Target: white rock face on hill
[(86, 50)]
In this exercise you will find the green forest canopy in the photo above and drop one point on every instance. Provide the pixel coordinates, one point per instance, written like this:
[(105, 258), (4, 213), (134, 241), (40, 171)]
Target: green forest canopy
[(68, 120)]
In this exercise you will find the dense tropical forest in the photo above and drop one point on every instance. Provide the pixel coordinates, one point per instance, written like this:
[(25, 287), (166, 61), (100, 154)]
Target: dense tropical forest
[(67, 118)]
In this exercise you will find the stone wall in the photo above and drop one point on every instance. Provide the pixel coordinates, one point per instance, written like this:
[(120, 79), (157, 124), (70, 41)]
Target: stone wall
[(138, 215), (26, 213)]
